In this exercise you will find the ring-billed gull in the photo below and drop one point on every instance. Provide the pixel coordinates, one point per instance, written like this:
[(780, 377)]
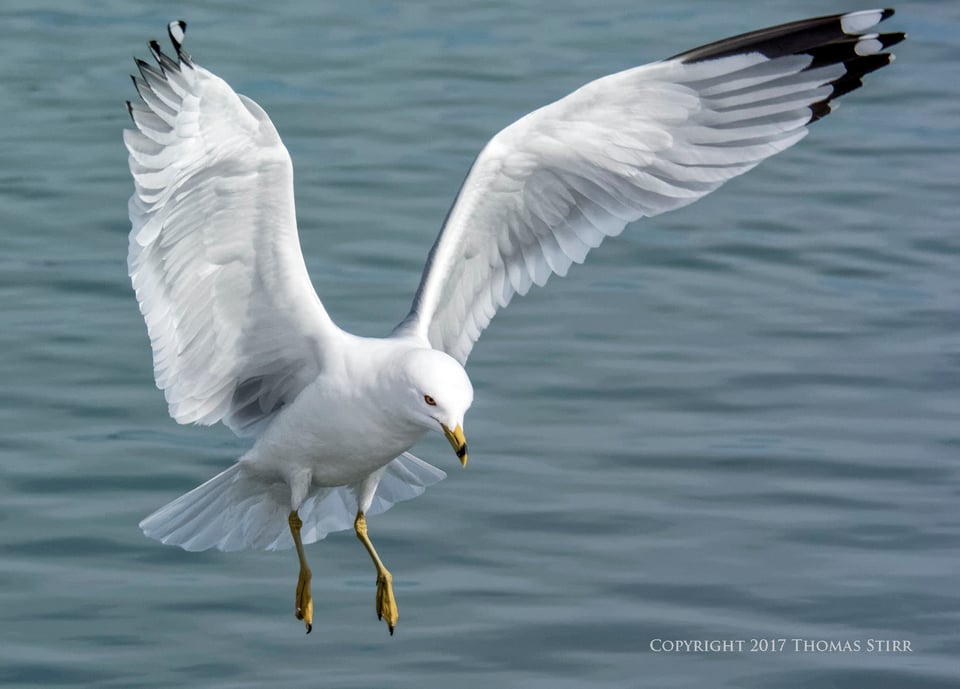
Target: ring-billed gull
[(240, 336)]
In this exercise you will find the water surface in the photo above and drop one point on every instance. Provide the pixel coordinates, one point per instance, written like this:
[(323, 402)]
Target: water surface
[(736, 421)]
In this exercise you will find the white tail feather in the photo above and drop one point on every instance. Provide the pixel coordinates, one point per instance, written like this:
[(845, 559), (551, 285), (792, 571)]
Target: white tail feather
[(236, 510)]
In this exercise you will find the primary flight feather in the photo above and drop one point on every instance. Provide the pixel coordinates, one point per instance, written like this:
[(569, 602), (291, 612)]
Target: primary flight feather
[(240, 336)]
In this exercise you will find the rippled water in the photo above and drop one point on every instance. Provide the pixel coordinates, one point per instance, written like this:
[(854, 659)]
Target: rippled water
[(737, 421)]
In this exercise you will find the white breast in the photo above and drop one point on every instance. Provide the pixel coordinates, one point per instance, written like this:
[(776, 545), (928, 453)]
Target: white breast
[(338, 435)]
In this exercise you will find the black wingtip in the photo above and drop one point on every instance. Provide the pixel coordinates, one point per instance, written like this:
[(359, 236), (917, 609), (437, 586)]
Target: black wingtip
[(176, 30), (846, 40), (130, 111), (856, 70), (165, 62), (146, 71), (819, 109), (792, 38), (889, 39), (137, 85)]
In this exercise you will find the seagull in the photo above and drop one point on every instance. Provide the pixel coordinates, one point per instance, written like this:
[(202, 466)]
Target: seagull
[(239, 335)]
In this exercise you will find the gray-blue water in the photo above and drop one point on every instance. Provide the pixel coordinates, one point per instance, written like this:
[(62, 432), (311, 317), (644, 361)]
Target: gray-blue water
[(738, 421)]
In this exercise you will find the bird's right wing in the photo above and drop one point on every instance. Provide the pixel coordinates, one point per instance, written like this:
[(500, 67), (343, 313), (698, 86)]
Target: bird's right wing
[(236, 327)]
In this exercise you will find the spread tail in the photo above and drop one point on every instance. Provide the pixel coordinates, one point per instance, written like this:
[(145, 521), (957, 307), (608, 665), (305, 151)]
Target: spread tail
[(236, 510)]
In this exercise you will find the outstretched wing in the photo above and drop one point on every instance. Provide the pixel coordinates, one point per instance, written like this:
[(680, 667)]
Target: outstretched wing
[(554, 184), (236, 327)]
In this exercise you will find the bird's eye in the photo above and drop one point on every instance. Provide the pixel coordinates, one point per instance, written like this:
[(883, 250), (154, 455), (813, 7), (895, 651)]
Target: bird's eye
[(429, 400)]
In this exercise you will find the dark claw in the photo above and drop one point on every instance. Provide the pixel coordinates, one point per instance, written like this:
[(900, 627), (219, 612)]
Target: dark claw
[(309, 628), (379, 616), (391, 630)]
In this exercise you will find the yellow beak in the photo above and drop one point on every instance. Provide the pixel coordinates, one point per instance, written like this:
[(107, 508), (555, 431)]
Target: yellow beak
[(458, 441)]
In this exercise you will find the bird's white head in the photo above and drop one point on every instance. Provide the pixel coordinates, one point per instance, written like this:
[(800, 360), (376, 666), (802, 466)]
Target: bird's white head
[(439, 393)]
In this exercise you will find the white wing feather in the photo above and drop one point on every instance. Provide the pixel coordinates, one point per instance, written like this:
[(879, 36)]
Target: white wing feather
[(236, 327), (556, 183)]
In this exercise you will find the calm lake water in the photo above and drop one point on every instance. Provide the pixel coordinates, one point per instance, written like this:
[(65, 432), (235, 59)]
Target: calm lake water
[(737, 421)]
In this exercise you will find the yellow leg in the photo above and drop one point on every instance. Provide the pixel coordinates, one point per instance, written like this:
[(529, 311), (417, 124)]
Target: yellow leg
[(304, 602), (386, 603)]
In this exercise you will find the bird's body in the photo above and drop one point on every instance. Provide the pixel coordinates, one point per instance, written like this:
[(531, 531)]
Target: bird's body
[(239, 335), (340, 432), (344, 425)]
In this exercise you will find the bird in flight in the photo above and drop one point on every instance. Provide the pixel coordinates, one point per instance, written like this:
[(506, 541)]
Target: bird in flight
[(240, 336)]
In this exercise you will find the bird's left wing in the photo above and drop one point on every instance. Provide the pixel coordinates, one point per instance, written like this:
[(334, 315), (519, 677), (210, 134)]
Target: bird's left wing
[(554, 184), (236, 326)]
